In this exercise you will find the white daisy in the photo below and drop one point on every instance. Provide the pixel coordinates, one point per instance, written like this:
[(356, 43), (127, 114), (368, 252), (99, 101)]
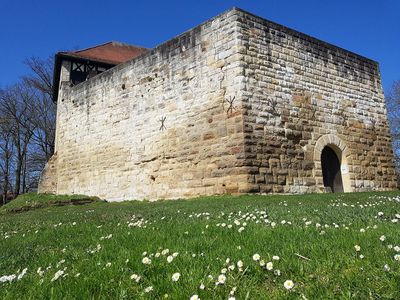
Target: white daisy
[(288, 284), (176, 276), (146, 260), (221, 279), (256, 257)]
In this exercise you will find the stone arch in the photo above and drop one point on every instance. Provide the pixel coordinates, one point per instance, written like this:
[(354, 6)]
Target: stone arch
[(342, 152)]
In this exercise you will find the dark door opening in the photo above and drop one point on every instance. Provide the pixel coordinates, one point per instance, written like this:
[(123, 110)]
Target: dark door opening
[(331, 170)]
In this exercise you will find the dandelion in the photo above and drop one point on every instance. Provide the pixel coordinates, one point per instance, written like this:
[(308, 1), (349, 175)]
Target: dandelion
[(195, 297), (146, 260), (256, 257), (288, 284), (357, 248)]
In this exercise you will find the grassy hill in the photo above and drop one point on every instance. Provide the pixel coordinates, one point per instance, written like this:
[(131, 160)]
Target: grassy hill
[(329, 246)]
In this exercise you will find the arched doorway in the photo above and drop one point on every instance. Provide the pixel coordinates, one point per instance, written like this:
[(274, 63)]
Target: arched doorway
[(331, 172)]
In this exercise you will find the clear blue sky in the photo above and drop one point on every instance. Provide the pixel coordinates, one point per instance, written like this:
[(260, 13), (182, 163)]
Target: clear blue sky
[(43, 27)]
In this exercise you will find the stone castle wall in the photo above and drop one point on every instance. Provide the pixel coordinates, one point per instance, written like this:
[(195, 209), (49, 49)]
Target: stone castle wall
[(112, 142), (238, 104), (302, 94)]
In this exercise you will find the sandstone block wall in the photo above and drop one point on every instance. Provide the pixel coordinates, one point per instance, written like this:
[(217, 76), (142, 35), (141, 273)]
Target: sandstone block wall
[(301, 94), (238, 104), (157, 126)]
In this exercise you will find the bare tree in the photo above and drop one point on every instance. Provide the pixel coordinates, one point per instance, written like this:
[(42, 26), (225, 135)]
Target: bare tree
[(41, 76), (27, 127), (14, 109), (393, 108), (43, 109), (6, 154)]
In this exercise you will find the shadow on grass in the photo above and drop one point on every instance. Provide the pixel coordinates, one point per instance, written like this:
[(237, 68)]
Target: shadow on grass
[(32, 201)]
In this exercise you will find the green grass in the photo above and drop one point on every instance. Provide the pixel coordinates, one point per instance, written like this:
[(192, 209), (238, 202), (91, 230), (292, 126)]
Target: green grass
[(32, 201), (321, 260)]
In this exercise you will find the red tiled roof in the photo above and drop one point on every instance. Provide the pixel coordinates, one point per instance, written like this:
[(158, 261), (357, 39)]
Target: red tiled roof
[(111, 52)]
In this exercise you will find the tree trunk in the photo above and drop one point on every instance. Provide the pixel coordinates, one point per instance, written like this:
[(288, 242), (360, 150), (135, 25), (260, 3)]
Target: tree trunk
[(5, 188), (18, 173), (24, 171), (6, 170)]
